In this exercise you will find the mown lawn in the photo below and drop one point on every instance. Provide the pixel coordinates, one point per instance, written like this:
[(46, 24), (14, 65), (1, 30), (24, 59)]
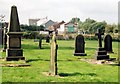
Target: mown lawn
[(69, 66)]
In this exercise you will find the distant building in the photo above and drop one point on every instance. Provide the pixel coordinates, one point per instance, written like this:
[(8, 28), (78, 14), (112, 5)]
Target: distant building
[(33, 21), (48, 24), (38, 21), (70, 27)]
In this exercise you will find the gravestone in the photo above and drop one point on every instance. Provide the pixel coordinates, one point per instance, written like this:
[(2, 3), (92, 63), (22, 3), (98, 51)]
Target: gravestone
[(80, 46), (47, 39), (101, 52), (53, 57), (108, 43), (4, 39), (14, 51), (40, 42), (1, 36)]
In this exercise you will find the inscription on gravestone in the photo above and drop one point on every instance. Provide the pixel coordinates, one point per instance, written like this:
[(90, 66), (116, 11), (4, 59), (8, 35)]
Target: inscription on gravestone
[(15, 42)]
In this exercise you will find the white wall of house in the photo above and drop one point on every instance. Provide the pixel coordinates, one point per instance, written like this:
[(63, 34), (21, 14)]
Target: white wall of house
[(61, 29)]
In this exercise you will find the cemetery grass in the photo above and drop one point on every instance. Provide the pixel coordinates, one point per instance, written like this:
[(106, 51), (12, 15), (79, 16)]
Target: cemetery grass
[(70, 67)]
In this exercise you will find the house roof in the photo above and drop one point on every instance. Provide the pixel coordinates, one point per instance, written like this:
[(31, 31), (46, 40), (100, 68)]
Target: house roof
[(48, 23)]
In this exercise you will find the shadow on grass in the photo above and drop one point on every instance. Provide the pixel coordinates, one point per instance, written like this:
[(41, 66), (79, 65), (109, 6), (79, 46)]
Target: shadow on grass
[(88, 48), (28, 46), (31, 60), (76, 74), (65, 48)]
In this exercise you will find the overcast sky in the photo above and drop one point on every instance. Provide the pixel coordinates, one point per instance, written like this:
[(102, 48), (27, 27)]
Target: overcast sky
[(58, 10)]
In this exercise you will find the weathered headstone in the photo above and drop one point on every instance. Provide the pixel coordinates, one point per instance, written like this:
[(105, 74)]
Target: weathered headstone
[(14, 51), (40, 42), (108, 43), (47, 39), (4, 39), (80, 46), (53, 58), (101, 52)]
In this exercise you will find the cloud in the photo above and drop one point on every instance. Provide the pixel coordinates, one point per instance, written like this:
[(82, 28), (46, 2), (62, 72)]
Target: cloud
[(62, 9)]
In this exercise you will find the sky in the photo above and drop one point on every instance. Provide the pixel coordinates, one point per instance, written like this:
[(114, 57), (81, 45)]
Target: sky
[(58, 10)]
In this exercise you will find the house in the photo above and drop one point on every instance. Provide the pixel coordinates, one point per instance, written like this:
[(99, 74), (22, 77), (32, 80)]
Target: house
[(48, 24), (58, 27), (70, 27)]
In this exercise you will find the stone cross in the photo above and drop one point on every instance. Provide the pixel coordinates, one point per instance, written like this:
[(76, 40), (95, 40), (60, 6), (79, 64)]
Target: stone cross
[(99, 34), (53, 58)]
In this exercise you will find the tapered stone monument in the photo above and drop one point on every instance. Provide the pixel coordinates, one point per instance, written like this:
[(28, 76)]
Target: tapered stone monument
[(53, 58), (14, 51), (101, 52)]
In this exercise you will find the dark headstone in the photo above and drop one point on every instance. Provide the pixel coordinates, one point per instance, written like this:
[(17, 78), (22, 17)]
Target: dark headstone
[(53, 58), (101, 52), (108, 44), (1, 36), (14, 51), (47, 39), (80, 46), (40, 42)]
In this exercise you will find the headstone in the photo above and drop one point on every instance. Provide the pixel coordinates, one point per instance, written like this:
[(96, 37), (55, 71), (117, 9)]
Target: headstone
[(40, 42), (101, 52), (80, 46), (108, 43), (4, 39), (47, 39), (1, 36), (53, 58), (14, 51)]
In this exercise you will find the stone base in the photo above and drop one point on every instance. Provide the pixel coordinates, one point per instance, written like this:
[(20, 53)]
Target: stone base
[(102, 57), (101, 54), (80, 54), (110, 52), (14, 54), (15, 58)]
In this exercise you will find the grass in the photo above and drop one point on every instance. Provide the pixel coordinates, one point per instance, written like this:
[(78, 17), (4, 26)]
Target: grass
[(69, 66)]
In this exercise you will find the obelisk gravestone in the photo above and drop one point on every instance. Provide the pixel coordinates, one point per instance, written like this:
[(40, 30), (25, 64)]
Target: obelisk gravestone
[(14, 51)]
